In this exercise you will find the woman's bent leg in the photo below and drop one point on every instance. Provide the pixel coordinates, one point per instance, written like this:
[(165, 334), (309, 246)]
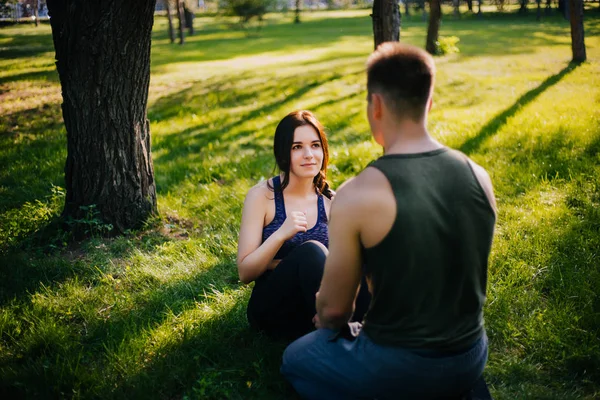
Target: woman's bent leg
[(283, 300)]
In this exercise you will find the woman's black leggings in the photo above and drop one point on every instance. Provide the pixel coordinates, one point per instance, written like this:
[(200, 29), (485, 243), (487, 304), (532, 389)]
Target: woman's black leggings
[(282, 303)]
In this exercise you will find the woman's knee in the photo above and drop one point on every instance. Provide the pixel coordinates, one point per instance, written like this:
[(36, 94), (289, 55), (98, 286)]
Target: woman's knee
[(313, 247)]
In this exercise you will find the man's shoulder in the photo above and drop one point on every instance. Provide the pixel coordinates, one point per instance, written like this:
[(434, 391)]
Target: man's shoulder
[(362, 190)]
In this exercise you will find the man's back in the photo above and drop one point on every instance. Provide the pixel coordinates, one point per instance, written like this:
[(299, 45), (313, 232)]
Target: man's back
[(427, 237)]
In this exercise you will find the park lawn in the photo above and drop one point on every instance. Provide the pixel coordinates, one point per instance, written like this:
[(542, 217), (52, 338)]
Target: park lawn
[(160, 312)]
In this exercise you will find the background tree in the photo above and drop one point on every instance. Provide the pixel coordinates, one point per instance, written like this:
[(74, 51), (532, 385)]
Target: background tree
[(456, 6), (181, 18), (167, 4), (36, 12), (189, 19), (103, 62), (386, 21), (246, 10), (577, 37), (297, 11), (433, 29)]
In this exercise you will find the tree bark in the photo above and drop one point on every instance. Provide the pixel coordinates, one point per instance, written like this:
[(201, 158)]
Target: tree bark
[(470, 5), (577, 36), (406, 7), (386, 21), (36, 12), (103, 62), (181, 17), (433, 29), (170, 18)]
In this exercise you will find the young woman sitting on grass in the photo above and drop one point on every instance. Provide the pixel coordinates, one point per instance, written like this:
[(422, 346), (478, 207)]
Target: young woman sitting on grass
[(283, 234)]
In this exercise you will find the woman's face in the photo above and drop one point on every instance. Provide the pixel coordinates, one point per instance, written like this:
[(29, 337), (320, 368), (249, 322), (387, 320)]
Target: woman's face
[(306, 156)]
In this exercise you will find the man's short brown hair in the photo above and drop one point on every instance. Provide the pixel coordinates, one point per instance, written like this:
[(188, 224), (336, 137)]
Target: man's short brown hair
[(404, 76)]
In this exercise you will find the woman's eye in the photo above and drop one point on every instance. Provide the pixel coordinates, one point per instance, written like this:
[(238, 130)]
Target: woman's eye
[(316, 145), (296, 147)]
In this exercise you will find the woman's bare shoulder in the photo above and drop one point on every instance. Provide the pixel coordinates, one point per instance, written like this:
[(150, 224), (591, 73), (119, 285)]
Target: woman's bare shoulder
[(261, 191)]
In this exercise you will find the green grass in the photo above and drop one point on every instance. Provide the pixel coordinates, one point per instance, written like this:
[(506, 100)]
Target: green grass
[(160, 313)]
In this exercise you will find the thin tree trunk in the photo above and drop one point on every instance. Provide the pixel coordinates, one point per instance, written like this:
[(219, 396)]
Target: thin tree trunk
[(189, 19), (470, 5), (406, 7), (386, 21), (539, 10), (103, 62), (297, 18), (170, 18), (456, 4), (181, 18), (36, 13), (479, 8), (433, 30), (577, 36)]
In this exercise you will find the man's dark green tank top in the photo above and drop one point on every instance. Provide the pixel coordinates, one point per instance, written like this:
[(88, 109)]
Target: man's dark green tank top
[(429, 274)]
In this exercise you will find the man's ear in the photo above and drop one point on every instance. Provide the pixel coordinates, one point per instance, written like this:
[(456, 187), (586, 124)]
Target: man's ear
[(377, 101)]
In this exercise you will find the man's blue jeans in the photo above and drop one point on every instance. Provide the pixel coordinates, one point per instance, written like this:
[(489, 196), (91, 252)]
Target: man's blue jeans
[(320, 367)]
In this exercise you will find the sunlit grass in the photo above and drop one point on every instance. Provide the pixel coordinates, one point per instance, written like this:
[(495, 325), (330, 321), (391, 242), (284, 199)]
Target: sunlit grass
[(160, 313)]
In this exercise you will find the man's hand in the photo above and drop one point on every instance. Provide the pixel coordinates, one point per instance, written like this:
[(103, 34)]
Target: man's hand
[(316, 321)]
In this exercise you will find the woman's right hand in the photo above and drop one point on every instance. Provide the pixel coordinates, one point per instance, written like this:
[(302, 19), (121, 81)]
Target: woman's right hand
[(294, 223)]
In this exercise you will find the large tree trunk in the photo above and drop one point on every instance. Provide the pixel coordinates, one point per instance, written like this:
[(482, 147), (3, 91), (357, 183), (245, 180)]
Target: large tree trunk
[(181, 17), (103, 61), (386, 21), (577, 37), (433, 30), (36, 12), (170, 18)]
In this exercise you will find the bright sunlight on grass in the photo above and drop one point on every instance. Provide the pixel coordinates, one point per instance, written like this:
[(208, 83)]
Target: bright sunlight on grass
[(160, 313)]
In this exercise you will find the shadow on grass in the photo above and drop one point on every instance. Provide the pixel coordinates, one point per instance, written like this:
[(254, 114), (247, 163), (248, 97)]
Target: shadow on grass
[(41, 260), (33, 149), (221, 358), (107, 350), (492, 127), (27, 45), (277, 37), (50, 76)]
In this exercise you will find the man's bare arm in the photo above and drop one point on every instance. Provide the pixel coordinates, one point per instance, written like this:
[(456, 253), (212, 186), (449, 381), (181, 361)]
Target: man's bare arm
[(342, 273)]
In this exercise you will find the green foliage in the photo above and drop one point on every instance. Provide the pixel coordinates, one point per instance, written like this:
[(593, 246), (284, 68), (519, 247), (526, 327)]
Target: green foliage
[(246, 10), (447, 45), (160, 313), (91, 223)]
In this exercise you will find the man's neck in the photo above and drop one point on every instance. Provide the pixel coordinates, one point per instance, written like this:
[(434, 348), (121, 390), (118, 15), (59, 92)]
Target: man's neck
[(408, 137)]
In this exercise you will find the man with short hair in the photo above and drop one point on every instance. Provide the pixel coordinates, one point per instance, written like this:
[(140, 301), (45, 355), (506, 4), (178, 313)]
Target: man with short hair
[(421, 220)]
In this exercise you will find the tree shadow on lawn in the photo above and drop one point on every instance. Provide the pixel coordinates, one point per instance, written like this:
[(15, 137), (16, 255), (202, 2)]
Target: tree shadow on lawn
[(33, 153), (473, 144), (25, 45), (220, 358), (556, 350), (40, 260), (44, 75), (279, 37), (91, 353)]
